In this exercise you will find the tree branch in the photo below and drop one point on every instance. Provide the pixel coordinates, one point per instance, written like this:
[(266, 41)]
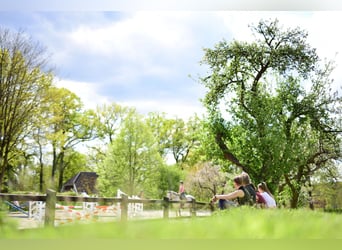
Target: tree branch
[(227, 154)]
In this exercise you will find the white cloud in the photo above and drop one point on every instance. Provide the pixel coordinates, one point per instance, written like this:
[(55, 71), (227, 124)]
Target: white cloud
[(324, 35), (238, 22), (172, 109), (136, 36), (156, 44), (84, 90), (135, 45)]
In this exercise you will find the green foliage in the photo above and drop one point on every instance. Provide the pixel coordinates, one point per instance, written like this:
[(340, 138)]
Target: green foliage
[(7, 226), (23, 80), (328, 193), (262, 117), (108, 120), (132, 162), (161, 130), (184, 135), (169, 179), (66, 125), (175, 137), (75, 162)]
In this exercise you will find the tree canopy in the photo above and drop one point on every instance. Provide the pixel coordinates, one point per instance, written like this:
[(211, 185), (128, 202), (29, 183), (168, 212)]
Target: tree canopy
[(270, 106), (132, 162), (23, 80)]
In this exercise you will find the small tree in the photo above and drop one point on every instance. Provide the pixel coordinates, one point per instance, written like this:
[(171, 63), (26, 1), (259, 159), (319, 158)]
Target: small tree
[(206, 180)]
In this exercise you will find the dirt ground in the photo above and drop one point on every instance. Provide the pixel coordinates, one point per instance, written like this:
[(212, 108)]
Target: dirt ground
[(23, 221)]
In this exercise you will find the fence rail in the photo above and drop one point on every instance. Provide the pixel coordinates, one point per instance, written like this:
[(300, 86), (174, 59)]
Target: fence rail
[(51, 198)]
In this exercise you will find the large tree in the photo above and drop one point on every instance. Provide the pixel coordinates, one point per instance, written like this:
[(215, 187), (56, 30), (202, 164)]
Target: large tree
[(270, 108), (161, 128), (175, 138), (109, 118), (108, 122), (132, 162), (183, 137), (23, 79), (66, 126)]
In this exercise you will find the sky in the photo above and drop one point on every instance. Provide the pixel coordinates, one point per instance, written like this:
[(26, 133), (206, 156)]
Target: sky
[(150, 59)]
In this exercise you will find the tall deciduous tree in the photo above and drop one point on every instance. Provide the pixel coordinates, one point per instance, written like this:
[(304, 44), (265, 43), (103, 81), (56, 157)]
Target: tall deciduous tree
[(174, 137), (183, 138), (23, 78), (109, 119), (264, 119), (132, 162), (161, 129), (68, 125), (108, 122)]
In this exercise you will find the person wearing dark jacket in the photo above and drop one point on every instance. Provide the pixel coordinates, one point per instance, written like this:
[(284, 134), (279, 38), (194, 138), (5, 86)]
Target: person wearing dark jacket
[(240, 194), (246, 182)]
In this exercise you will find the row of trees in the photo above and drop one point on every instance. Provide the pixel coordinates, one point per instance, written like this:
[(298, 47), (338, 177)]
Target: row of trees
[(271, 113)]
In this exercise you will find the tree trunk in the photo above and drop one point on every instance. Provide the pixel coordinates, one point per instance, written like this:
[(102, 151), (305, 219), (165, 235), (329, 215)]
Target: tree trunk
[(54, 164), (4, 169), (295, 191), (61, 170), (294, 199), (41, 164), (41, 176), (311, 204), (2, 174)]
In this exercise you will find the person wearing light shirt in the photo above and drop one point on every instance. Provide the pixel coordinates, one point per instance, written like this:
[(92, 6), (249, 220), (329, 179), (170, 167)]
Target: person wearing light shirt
[(266, 194)]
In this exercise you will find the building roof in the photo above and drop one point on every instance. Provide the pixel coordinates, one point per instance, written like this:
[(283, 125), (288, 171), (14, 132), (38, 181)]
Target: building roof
[(82, 182)]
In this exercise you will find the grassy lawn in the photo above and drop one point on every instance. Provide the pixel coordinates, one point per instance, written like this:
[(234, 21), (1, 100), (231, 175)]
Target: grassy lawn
[(238, 223)]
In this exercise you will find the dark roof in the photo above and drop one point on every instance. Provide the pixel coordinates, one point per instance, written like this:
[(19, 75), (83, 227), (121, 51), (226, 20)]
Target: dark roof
[(83, 181)]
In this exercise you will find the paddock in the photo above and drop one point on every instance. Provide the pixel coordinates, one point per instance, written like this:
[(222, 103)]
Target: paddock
[(76, 209)]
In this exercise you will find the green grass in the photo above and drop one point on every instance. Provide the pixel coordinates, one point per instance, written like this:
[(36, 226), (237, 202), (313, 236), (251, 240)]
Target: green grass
[(239, 223)]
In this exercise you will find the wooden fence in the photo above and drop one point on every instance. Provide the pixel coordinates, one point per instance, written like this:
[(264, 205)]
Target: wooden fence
[(51, 198)]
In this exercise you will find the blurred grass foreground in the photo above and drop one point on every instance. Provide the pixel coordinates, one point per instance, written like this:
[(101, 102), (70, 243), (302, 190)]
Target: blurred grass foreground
[(237, 223)]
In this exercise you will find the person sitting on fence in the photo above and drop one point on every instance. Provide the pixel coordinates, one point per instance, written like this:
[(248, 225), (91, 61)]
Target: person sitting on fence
[(240, 194), (267, 195)]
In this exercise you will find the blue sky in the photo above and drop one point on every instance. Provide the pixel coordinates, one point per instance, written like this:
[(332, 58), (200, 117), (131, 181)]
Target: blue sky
[(144, 58)]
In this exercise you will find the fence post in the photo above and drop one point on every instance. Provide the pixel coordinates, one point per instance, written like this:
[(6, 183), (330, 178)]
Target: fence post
[(124, 207), (166, 206), (193, 207), (50, 207)]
